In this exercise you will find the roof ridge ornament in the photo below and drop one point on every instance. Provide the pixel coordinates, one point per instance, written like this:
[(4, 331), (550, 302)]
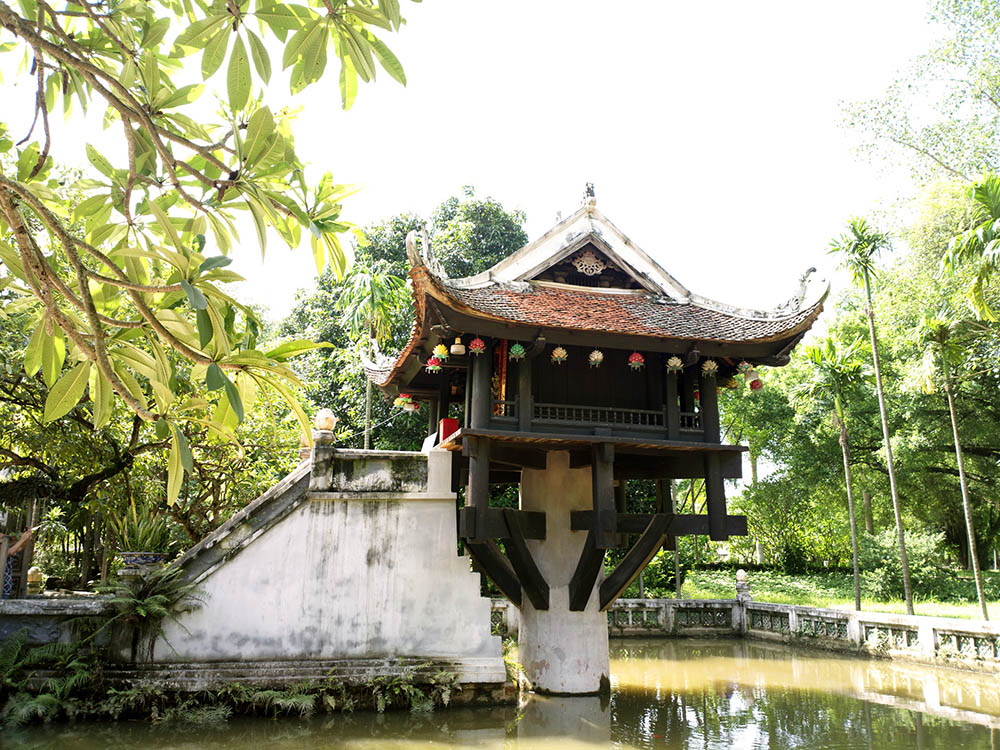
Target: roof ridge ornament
[(424, 256), (795, 303), (589, 198)]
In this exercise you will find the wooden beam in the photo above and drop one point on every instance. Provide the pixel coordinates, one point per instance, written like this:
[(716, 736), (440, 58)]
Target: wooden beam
[(520, 455), (530, 522), (495, 566), (530, 577), (715, 494), (681, 524), (587, 569), (635, 560), (709, 409), (683, 466), (603, 492)]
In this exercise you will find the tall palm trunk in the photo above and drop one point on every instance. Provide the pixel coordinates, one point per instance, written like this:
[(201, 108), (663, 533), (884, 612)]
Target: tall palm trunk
[(889, 464), (966, 505), (869, 520), (368, 413), (846, 450)]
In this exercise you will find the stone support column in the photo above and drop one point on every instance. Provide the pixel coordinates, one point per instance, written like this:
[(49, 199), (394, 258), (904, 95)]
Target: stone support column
[(562, 652)]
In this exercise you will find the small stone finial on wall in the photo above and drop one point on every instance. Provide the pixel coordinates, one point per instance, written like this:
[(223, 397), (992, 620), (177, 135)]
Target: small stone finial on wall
[(742, 586), (325, 420)]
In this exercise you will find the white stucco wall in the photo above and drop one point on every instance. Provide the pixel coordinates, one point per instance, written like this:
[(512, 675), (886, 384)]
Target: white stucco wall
[(347, 574)]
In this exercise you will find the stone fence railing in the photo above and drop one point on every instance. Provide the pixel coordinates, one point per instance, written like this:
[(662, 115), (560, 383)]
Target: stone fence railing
[(965, 643)]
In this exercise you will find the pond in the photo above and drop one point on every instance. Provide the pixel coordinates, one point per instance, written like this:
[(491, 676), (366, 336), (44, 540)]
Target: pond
[(677, 694)]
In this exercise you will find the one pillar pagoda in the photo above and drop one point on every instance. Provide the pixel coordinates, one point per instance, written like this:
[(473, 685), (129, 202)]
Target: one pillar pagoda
[(573, 366)]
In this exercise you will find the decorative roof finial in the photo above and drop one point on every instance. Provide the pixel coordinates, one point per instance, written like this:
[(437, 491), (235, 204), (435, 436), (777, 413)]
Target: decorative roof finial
[(589, 199)]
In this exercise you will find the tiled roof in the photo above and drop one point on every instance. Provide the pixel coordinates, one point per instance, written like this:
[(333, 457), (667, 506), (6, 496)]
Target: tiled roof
[(591, 310), (632, 314)]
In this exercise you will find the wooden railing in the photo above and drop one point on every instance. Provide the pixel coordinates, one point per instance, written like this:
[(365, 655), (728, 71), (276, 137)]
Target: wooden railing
[(639, 419), (690, 421), (505, 409)]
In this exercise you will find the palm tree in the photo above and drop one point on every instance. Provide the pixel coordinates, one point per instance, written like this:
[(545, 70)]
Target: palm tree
[(938, 331), (980, 244), (835, 371), (369, 295), (858, 249)]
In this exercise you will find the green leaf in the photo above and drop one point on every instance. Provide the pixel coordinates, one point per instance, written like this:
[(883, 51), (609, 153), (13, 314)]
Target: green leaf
[(197, 35), (161, 428), (33, 352), (183, 95), (100, 163), (215, 53), (187, 460), (238, 77), (204, 328), (290, 349), (53, 356), (101, 394), (67, 392), (259, 128), (233, 395), (300, 40), (261, 60), (168, 228), (194, 295), (175, 469), (388, 60), (216, 261), (215, 378)]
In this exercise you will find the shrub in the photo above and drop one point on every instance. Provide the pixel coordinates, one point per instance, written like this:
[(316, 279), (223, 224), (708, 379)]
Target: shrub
[(878, 556)]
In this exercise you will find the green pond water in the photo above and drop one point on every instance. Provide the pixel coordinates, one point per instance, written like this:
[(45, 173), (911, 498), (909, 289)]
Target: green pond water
[(705, 695)]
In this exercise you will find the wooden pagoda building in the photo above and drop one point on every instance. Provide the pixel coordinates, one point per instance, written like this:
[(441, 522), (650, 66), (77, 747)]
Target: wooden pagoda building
[(579, 352)]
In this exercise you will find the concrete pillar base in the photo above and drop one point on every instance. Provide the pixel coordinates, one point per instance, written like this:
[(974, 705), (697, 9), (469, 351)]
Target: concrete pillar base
[(562, 652)]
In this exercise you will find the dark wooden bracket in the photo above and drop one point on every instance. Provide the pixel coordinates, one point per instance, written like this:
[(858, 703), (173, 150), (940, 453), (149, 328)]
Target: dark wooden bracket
[(635, 559), (532, 581), (681, 524), (587, 569), (492, 562)]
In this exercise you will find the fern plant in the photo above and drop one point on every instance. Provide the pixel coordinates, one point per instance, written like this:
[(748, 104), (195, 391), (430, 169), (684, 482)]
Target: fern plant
[(140, 531)]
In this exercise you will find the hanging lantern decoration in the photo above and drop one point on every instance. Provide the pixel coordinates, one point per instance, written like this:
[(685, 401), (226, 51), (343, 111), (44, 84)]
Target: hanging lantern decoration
[(732, 384), (516, 352), (595, 358), (697, 395), (405, 401), (477, 346), (744, 367), (636, 361), (441, 352), (458, 348), (753, 379), (433, 365), (674, 364), (559, 355), (709, 368)]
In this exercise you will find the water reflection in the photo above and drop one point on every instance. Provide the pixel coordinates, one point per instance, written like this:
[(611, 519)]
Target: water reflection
[(690, 695)]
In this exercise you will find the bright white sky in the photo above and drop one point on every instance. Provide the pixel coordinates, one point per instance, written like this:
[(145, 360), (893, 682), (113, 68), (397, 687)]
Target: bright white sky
[(711, 130)]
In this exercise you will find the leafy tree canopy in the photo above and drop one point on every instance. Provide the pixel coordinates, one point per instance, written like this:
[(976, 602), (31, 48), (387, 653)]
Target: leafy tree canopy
[(125, 267)]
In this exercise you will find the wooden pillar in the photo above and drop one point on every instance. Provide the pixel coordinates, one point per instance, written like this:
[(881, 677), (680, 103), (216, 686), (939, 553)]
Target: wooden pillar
[(686, 394), (481, 397), (709, 409), (432, 417), (620, 487), (443, 402), (525, 399), (477, 492), (467, 410), (602, 476), (715, 498), (673, 407), (665, 504)]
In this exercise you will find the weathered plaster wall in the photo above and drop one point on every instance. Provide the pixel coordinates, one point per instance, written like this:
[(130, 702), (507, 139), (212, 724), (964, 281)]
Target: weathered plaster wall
[(561, 651), (364, 566)]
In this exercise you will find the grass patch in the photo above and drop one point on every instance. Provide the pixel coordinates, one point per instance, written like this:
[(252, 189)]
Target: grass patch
[(834, 590)]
